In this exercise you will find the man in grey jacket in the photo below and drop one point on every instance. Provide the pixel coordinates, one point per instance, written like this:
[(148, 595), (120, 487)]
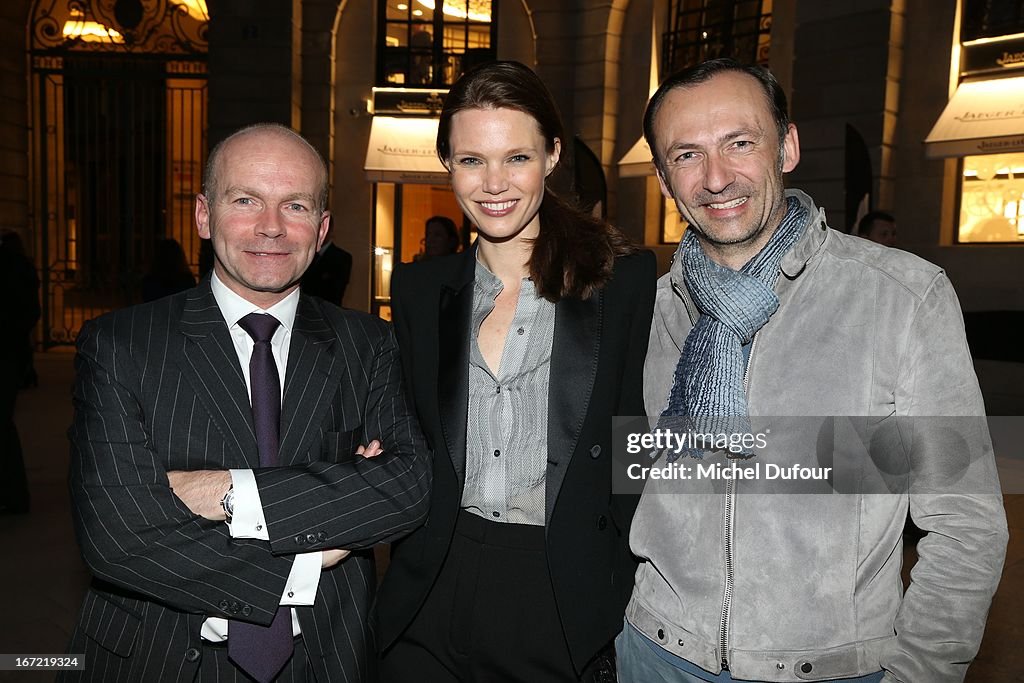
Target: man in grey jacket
[(768, 312)]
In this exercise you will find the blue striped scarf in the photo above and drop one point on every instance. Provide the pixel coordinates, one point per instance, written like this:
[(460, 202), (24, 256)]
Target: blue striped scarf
[(708, 386)]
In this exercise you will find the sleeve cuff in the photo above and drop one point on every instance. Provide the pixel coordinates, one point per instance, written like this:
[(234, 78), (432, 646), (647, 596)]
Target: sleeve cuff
[(248, 520), (303, 580)]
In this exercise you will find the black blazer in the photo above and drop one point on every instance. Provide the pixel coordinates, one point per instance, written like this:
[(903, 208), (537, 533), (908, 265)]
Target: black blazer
[(597, 363), (159, 388)]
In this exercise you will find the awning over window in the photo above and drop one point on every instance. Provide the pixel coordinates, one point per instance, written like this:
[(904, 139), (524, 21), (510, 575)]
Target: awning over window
[(637, 162), (402, 150), (983, 117)]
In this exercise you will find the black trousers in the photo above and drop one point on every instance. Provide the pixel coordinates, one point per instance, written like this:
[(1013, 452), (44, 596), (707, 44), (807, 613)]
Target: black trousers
[(491, 616)]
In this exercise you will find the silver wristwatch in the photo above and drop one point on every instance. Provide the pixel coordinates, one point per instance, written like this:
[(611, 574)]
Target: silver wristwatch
[(227, 503)]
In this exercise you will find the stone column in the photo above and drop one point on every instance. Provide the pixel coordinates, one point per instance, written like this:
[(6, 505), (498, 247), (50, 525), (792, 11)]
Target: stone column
[(846, 70), (14, 192), (252, 64)]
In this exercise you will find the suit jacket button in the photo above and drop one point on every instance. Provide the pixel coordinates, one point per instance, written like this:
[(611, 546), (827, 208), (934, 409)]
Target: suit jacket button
[(311, 538), (300, 539), (191, 654), (595, 451), (223, 604), (235, 607), (246, 610), (321, 536), (602, 522)]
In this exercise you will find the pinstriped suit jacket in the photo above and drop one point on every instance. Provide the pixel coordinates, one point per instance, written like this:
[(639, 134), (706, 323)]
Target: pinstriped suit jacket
[(159, 388)]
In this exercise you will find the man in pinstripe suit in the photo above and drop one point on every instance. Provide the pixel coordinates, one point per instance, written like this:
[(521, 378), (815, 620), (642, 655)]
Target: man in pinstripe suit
[(184, 533)]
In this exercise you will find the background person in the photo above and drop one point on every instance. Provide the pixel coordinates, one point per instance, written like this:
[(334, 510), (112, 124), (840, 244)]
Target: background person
[(518, 353), (440, 238), (169, 273), (23, 273), (19, 312), (878, 226), (327, 277)]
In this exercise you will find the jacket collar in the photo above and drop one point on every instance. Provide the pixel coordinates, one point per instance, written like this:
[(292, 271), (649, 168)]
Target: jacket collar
[(455, 315), (575, 351), (314, 372), (810, 243), (465, 272), (209, 363)]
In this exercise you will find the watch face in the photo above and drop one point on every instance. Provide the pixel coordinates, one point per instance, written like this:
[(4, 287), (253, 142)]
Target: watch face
[(228, 502)]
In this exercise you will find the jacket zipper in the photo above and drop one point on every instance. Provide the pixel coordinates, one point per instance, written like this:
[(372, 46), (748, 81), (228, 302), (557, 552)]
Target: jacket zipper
[(730, 500), (723, 635), (730, 511)]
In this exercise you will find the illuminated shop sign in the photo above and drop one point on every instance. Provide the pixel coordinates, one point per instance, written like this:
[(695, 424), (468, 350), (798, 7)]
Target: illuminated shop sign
[(992, 55)]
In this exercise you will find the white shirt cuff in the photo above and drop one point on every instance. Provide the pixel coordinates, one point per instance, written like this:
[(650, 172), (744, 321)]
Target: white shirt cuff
[(303, 580), (247, 520)]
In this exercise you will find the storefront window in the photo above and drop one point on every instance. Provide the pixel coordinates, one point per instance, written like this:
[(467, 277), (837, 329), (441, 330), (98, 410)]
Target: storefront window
[(699, 30), (981, 19), (983, 115), (402, 210), (422, 45), (384, 248), (992, 198)]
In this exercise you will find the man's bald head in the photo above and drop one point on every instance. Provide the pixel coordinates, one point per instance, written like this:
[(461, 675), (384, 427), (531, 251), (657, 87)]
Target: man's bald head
[(210, 174)]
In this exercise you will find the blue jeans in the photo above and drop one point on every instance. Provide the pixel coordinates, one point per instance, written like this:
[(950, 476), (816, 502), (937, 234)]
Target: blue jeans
[(641, 660)]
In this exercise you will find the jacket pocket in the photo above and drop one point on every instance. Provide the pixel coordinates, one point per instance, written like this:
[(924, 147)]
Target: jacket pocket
[(340, 446), (110, 625)]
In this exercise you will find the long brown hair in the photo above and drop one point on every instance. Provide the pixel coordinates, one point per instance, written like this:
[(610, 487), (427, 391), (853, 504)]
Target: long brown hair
[(574, 253)]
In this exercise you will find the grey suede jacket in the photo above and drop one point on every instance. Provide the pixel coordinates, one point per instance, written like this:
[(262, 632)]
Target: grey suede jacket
[(797, 586)]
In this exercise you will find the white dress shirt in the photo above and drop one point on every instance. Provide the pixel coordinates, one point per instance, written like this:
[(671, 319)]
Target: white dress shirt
[(248, 520)]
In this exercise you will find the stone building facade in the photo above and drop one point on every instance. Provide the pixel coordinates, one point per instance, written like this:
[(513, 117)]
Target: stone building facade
[(883, 68)]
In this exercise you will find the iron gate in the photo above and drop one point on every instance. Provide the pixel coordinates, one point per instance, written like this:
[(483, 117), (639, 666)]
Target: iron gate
[(119, 140)]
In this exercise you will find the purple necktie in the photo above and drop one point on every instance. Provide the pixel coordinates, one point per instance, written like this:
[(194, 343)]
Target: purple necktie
[(261, 651)]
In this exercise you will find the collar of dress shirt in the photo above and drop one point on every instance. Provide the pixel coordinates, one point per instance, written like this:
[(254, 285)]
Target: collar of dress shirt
[(487, 282), (234, 307), (491, 285)]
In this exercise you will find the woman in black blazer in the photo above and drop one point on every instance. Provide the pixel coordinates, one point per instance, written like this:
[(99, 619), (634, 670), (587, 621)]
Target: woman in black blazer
[(517, 353)]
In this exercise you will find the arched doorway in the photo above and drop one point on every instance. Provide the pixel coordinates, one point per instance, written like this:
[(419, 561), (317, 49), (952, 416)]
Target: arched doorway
[(118, 114)]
